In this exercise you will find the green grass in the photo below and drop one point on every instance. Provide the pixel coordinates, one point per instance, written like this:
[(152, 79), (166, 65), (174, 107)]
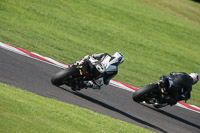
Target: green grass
[(22, 111), (155, 39)]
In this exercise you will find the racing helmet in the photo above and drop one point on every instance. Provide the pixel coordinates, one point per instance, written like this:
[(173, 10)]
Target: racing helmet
[(195, 77), (119, 57)]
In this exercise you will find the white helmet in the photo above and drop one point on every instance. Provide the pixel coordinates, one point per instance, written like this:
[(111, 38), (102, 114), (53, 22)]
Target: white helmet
[(119, 56), (195, 77)]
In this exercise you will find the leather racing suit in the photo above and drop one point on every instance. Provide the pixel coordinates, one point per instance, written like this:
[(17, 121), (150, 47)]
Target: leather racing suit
[(181, 87), (105, 68)]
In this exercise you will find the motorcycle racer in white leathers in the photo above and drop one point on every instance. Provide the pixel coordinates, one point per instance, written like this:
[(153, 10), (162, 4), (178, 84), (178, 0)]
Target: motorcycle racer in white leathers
[(104, 68)]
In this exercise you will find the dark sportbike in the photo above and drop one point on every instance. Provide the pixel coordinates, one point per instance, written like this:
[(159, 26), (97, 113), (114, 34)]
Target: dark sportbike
[(74, 75), (154, 93)]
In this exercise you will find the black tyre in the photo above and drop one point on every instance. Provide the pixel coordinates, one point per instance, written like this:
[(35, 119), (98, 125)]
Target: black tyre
[(140, 94), (60, 78)]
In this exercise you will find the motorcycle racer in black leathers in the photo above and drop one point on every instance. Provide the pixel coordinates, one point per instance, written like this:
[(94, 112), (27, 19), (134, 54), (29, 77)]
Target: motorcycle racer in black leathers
[(104, 68), (179, 85)]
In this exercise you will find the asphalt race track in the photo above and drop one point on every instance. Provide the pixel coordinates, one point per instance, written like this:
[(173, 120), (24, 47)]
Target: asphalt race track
[(35, 76)]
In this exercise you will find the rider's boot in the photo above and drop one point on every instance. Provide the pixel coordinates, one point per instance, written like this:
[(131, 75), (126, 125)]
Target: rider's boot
[(158, 105)]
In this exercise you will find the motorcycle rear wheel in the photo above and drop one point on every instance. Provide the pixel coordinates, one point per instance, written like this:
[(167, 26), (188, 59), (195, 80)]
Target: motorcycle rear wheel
[(62, 76), (140, 94)]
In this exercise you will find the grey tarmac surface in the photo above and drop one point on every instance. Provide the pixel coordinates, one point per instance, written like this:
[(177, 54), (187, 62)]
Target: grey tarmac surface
[(35, 76)]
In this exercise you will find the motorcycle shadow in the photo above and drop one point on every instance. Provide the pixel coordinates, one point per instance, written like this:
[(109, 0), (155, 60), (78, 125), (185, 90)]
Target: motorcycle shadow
[(170, 115), (105, 105)]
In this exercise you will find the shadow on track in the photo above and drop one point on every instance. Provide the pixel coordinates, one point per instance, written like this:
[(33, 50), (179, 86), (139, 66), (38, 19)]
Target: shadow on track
[(173, 116), (114, 109)]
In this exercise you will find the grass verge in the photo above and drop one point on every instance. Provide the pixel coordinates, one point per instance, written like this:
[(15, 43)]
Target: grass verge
[(22, 111)]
